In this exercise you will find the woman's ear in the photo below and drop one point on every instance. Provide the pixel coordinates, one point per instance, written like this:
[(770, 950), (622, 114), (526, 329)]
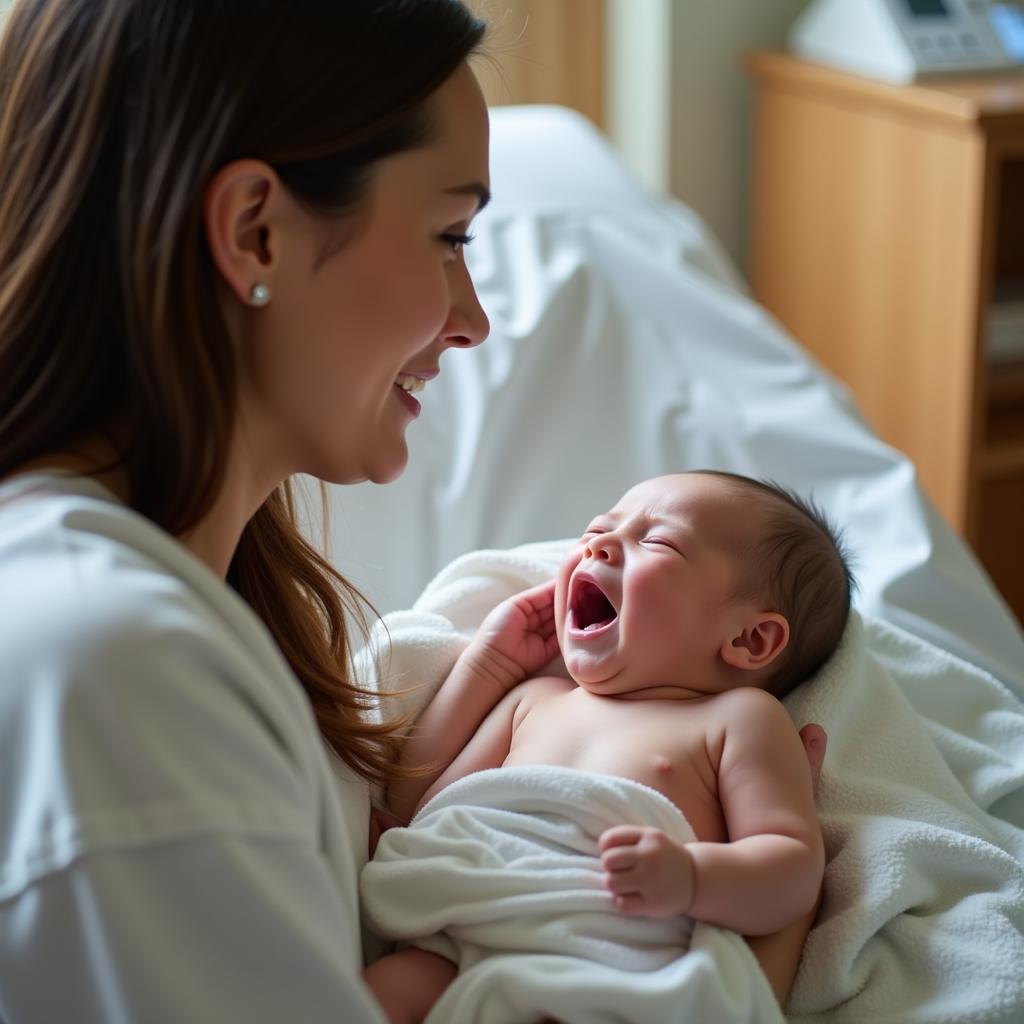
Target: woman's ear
[(239, 229), (758, 642)]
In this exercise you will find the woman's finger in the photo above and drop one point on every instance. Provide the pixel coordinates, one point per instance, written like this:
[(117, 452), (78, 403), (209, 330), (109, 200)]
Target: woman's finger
[(815, 741)]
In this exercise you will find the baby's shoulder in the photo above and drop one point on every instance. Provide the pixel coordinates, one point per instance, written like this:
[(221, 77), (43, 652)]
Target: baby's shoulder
[(746, 697), (748, 708)]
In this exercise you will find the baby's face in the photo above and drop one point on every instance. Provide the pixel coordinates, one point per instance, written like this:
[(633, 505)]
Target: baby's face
[(643, 600)]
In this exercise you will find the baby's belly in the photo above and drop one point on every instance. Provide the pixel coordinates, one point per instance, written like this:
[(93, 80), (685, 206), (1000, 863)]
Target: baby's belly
[(671, 774)]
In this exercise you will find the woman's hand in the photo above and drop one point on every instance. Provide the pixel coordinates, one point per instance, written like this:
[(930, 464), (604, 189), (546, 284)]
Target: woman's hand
[(518, 637), (380, 821), (815, 741)]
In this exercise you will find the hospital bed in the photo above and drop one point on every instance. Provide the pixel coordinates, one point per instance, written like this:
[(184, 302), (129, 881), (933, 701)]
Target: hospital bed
[(623, 344)]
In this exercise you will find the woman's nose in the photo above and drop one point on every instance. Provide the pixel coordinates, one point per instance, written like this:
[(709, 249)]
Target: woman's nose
[(467, 323)]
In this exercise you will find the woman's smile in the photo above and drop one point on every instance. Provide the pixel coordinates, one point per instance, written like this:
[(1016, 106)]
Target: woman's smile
[(405, 397)]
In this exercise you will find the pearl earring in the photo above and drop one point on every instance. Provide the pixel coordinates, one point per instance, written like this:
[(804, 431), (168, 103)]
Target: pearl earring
[(259, 294)]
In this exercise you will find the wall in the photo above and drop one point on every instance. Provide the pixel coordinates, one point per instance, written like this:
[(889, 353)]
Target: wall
[(668, 87), (710, 130), (546, 51), (679, 103)]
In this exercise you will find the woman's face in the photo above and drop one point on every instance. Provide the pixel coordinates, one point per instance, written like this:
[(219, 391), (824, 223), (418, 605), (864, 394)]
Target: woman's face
[(343, 339)]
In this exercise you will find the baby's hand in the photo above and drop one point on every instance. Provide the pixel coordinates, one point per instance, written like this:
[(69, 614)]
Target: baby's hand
[(650, 873), (518, 637)]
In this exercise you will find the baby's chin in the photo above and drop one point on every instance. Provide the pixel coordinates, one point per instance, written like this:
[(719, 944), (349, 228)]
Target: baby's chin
[(590, 677), (607, 683)]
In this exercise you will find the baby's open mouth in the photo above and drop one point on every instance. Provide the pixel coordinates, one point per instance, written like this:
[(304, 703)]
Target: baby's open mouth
[(591, 610)]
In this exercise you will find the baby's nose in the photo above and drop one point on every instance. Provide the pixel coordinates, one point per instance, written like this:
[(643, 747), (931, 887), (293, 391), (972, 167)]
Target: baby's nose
[(601, 548)]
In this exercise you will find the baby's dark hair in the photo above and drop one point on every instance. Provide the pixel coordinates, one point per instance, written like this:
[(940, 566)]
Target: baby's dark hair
[(799, 563)]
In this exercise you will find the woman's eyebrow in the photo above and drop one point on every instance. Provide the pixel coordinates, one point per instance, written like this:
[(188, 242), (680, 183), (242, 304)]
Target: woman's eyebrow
[(473, 188)]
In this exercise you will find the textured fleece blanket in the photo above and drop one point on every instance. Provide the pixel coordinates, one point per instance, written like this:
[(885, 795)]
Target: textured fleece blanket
[(500, 872), (923, 913)]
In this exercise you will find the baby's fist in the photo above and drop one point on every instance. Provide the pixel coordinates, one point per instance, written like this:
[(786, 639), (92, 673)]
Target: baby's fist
[(649, 873)]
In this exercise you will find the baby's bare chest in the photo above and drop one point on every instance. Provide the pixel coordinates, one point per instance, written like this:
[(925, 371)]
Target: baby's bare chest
[(657, 743)]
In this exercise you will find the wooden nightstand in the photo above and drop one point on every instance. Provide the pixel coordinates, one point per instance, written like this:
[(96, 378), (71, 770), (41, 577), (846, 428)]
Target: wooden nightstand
[(887, 220)]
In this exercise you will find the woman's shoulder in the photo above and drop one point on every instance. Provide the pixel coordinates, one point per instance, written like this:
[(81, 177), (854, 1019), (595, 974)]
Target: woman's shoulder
[(94, 592), (70, 559), (137, 684)]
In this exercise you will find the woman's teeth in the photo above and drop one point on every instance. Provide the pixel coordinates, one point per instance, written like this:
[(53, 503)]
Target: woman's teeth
[(407, 382)]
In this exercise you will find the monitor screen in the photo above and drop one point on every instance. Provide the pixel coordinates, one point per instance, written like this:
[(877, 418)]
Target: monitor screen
[(1008, 21), (925, 8)]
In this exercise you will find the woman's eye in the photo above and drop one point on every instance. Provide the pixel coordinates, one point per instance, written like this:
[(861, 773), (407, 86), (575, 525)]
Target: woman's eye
[(455, 241)]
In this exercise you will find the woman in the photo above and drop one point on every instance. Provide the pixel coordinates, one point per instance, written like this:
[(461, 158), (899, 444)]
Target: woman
[(230, 251)]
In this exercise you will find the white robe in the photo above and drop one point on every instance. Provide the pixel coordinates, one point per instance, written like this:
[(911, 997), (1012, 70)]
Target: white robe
[(175, 842)]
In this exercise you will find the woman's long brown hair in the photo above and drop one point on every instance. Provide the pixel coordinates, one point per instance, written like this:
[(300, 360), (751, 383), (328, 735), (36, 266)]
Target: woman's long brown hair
[(114, 116)]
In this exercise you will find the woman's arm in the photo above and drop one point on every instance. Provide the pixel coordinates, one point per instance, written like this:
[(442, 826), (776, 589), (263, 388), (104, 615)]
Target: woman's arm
[(779, 954), (209, 828)]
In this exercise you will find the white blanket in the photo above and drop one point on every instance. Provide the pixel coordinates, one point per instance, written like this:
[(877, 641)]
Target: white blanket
[(500, 873), (923, 915)]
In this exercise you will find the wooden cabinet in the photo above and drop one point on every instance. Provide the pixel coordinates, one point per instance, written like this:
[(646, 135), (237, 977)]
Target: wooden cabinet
[(888, 221)]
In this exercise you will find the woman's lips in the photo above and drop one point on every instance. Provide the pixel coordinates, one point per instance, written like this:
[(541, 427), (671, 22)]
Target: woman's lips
[(410, 381), (408, 401)]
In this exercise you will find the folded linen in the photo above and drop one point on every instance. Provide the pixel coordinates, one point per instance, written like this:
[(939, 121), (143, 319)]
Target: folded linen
[(500, 873)]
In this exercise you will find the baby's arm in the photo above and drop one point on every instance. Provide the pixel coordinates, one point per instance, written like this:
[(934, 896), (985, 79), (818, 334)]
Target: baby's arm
[(769, 872), (516, 639), (491, 743)]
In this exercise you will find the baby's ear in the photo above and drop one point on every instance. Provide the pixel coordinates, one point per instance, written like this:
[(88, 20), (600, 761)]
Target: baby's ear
[(761, 638)]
